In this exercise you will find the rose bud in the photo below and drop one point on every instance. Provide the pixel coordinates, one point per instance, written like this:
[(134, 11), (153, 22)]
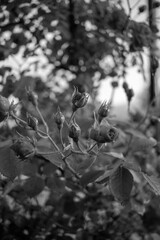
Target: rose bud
[(32, 97), (23, 148), (79, 100), (4, 108), (74, 131), (108, 133), (32, 122), (103, 110), (104, 133), (59, 119)]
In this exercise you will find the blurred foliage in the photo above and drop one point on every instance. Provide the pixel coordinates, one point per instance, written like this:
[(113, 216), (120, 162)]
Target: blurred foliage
[(52, 46)]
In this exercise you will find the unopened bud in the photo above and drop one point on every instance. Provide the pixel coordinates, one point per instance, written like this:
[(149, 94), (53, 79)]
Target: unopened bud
[(79, 100), (59, 118), (74, 131), (32, 122), (32, 97), (103, 110), (104, 134)]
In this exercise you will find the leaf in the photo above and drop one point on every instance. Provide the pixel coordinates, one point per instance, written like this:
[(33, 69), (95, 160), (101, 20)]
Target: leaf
[(105, 177), (33, 186), (121, 183), (142, 144), (90, 177), (80, 162), (8, 163), (133, 166), (54, 158), (27, 168), (154, 183)]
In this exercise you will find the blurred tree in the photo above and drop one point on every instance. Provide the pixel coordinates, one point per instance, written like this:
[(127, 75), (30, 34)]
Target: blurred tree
[(74, 42)]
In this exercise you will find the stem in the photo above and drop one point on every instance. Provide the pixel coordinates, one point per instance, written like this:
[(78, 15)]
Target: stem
[(46, 153), (79, 147), (91, 147), (42, 118), (72, 116), (61, 138), (70, 168)]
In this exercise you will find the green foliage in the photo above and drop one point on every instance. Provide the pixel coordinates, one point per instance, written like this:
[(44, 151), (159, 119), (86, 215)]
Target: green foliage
[(68, 170)]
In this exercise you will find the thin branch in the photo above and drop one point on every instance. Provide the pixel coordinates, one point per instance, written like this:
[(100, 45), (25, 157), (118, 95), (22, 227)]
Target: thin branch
[(42, 118)]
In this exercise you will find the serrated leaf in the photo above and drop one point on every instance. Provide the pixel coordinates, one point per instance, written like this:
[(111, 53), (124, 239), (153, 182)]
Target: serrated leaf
[(33, 186), (154, 183), (8, 163), (90, 177), (121, 183), (54, 158)]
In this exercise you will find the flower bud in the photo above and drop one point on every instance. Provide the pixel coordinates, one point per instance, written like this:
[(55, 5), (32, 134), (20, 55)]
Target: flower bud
[(59, 119), (103, 110), (23, 148), (74, 131), (108, 133), (104, 133), (32, 122), (32, 97), (4, 108), (79, 100)]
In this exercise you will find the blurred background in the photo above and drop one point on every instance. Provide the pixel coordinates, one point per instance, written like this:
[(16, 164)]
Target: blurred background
[(66, 43), (110, 49)]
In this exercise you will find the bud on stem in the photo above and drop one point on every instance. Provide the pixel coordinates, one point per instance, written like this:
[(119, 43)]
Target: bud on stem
[(79, 100)]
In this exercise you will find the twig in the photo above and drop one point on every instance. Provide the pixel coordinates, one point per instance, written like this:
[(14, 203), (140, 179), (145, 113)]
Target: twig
[(61, 138), (42, 118)]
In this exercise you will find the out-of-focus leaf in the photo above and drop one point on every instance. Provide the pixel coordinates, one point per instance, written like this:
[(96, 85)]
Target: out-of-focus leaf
[(27, 168), (55, 184), (33, 186), (90, 177), (121, 183), (142, 144), (8, 163)]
